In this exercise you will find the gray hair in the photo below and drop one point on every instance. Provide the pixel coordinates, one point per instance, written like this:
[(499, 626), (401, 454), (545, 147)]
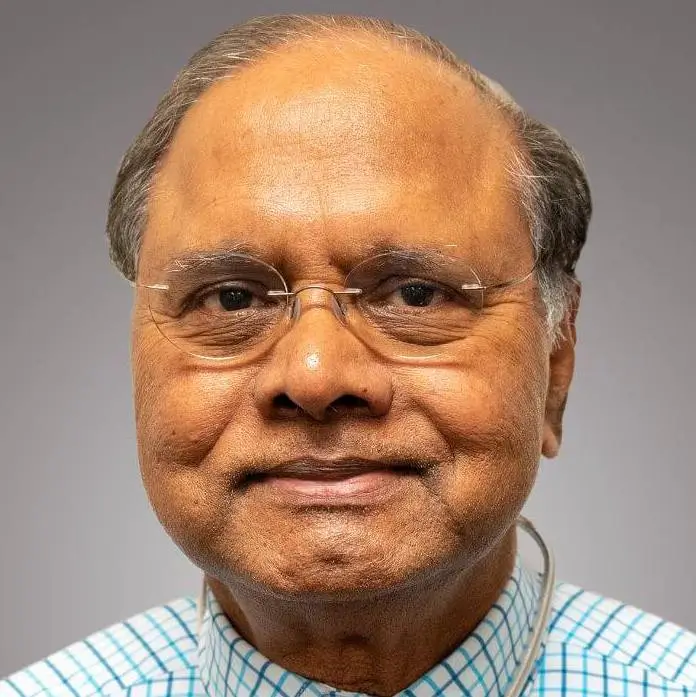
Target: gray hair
[(547, 173)]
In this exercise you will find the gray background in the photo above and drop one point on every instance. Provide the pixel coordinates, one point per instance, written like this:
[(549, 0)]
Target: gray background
[(79, 546)]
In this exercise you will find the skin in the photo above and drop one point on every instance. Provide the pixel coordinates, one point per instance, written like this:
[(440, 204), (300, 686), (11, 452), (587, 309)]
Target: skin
[(312, 155)]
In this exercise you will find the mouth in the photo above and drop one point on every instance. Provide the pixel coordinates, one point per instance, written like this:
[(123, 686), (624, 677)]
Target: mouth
[(345, 482)]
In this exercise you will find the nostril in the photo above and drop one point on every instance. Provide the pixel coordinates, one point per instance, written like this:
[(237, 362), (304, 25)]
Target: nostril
[(282, 402), (350, 405), (345, 404), (349, 402)]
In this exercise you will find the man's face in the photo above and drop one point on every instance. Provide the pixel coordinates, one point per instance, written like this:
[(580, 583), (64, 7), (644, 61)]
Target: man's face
[(312, 157)]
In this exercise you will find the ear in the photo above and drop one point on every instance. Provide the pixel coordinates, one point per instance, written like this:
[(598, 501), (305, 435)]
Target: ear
[(561, 367)]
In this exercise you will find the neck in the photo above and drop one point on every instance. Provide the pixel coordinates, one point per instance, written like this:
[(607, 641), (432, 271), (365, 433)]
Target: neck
[(377, 645)]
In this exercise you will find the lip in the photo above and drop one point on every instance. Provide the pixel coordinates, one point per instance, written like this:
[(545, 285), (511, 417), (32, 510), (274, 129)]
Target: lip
[(345, 482)]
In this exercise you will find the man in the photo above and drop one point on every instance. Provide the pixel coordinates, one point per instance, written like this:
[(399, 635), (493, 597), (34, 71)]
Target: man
[(353, 339)]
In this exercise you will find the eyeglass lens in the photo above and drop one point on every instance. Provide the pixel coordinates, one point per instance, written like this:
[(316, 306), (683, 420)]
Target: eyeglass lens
[(410, 305)]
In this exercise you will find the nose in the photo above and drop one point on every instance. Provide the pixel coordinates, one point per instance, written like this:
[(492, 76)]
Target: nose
[(320, 369)]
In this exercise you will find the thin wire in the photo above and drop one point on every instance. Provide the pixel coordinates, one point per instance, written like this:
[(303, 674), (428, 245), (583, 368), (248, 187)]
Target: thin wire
[(541, 622)]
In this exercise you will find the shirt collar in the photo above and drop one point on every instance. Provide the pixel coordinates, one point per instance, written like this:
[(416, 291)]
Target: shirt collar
[(482, 665)]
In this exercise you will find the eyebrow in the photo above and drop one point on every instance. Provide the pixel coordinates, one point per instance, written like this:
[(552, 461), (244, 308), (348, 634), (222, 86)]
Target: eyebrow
[(221, 257), (216, 257)]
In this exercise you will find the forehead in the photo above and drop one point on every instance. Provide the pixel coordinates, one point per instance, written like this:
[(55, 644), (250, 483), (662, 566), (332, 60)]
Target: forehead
[(320, 152)]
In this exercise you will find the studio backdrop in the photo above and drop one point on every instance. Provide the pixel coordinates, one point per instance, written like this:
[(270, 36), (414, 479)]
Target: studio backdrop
[(77, 82)]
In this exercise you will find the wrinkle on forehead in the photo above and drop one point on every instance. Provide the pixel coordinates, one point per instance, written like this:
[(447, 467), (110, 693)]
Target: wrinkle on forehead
[(331, 99), (318, 134)]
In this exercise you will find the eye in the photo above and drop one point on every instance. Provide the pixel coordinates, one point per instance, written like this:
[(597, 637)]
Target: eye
[(413, 293), (418, 294), (232, 298)]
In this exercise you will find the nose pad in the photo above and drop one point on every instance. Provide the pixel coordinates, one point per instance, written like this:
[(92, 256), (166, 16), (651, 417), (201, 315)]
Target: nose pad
[(334, 304)]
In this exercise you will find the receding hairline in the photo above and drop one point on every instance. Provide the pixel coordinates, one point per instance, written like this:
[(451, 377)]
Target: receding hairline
[(450, 70), (371, 41)]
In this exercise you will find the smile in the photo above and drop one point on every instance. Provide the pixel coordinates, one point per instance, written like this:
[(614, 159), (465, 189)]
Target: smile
[(336, 483)]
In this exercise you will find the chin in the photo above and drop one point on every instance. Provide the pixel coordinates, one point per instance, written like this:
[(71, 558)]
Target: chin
[(339, 573), (323, 582), (338, 554)]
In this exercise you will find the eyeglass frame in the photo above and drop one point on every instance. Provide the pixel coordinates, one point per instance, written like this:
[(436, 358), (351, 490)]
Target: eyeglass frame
[(291, 296)]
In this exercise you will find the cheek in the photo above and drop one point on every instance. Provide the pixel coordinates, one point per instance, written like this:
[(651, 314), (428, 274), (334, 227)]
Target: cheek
[(487, 402), (181, 407), (181, 413), (490, 410)]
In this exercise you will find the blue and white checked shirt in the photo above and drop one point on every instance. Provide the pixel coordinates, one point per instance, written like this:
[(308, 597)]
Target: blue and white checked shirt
[(595, 646)]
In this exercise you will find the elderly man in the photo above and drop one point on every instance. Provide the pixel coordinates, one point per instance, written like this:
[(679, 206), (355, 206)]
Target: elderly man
[(353, 338)]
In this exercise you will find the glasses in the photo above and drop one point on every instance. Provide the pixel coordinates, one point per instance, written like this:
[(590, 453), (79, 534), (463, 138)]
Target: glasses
[(406, 306)]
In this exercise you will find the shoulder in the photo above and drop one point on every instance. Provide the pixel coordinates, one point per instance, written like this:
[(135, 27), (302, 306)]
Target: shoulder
[(602, 646), (155, 646)]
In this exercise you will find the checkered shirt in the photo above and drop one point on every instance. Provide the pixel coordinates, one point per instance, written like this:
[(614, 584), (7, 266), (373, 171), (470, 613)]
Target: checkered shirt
[(594, 646)]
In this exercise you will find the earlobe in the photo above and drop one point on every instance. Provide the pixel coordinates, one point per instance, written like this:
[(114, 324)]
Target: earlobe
[(561, 367), (553, 429)]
